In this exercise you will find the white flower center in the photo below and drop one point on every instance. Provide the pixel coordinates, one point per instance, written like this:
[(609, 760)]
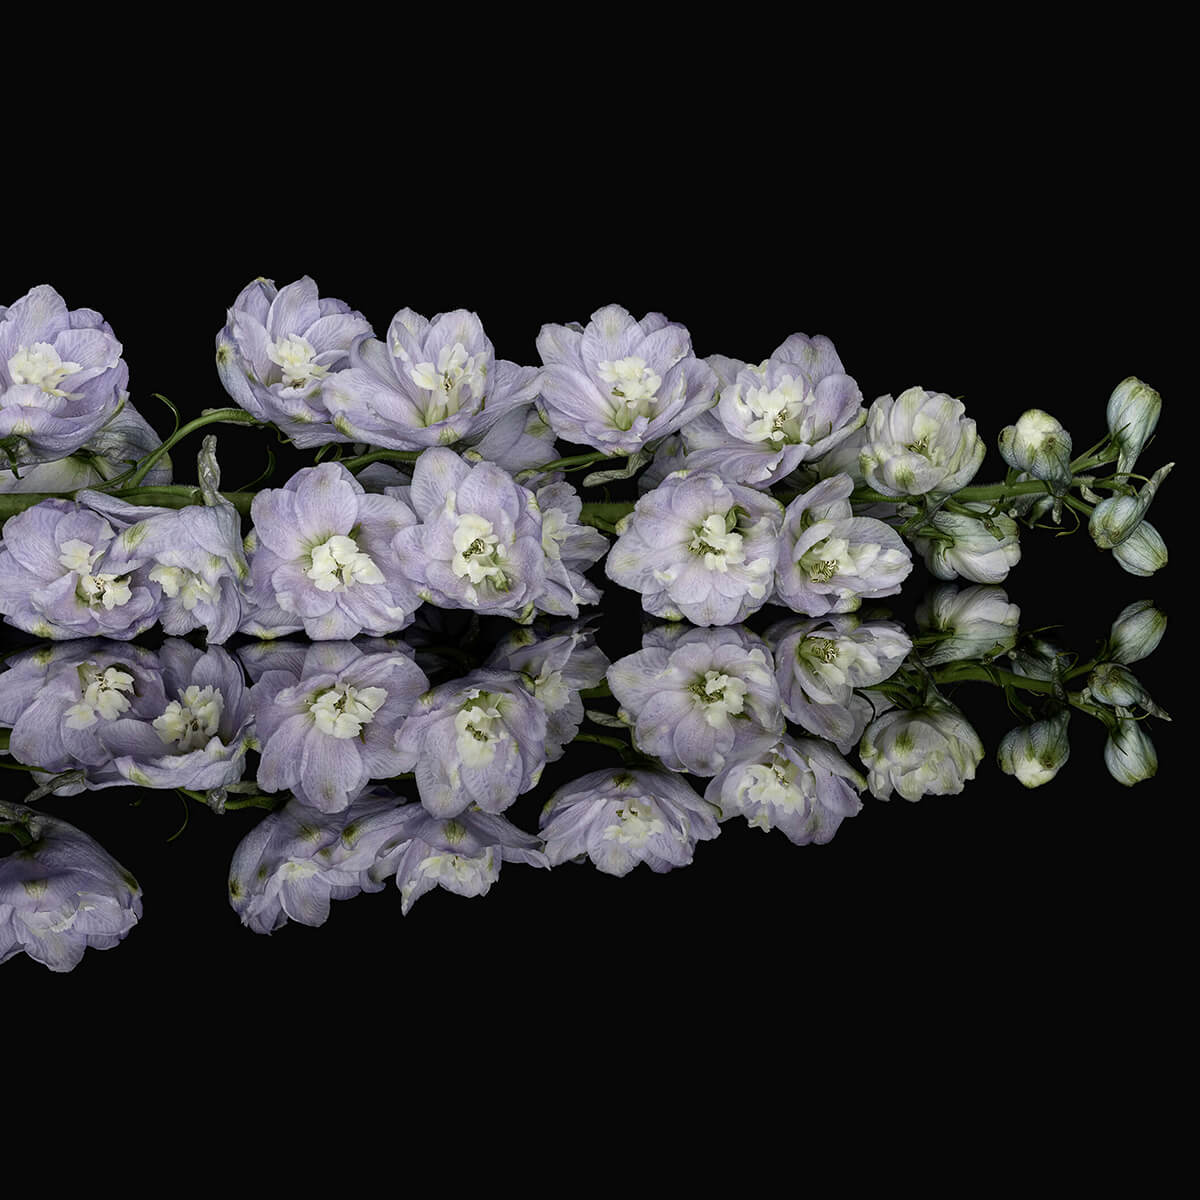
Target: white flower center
[(343, 710), (192, 720), (110, 590), (40, 365), (456, 371), (103, 696), (296, 358), (477, 551), (469, 873), (722, 695), (338, 562), (187, 585), (829, 557), (635, 825), (633, 386), (765, 414), (77, 556), (772, 785), (718, 543), (480, 729)]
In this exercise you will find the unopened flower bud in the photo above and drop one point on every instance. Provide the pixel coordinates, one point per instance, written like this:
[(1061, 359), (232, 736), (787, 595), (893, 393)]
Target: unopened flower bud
[(1136, 632), (1129, 753), (1143, 552), (1118, 687), (1034, 753), (1133, 411), (1114, 519), (1039, 444)]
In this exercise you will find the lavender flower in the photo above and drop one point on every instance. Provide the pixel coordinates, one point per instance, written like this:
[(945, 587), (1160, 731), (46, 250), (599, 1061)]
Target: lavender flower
[(66, 572), (479, 544), (326, 733), (556, 667), (433, 383), (323, 557), (831, 560), (200, 736), (477, 740), (800, 785), (621, 818), (793, 407), (462, 854), (929, 751), (61, 894), (918, 443), (279, 350), (822, 665), (570, 548), (620, 383), (698, 549), (710, 700), (61, 377)]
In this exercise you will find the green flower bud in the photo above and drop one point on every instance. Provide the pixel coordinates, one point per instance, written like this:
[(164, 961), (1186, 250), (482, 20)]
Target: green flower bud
[(1118, 687), (1038, 444), (1035, 753), (1136, 632), (1129, 753), (1133, 411), (1143, 552), (1114, 519)]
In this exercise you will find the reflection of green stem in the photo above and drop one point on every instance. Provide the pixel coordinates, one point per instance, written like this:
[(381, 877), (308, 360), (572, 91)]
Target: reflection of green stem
[(173, 495), (602, 740), (595, 693), (608, 511), (227, 416), (364, 460), (974, 672)]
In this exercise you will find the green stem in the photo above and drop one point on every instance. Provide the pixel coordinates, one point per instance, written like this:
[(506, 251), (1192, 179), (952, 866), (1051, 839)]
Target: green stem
[(365, 460), (609, 511), (226, 416), (595, 693), (577, 461), (173, 495), (968, 672), (601, 739)]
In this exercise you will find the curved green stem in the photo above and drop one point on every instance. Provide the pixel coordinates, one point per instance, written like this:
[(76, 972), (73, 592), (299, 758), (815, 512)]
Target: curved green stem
[(608, 511), (226, 416), (365, 460), (601, 739)]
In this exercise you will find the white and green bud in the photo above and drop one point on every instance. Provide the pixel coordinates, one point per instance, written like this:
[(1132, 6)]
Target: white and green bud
[(1114, 519), (1143, 552), (1035, 753), (1136, 632), (1116, 686), (1133, 411), (1129, 753), (930, 751), (1039, 444), (975, 622)]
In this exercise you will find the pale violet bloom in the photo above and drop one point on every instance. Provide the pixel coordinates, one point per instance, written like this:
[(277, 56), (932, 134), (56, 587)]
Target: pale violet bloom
[(619, 818), (323, 558), (928, 751), (297, 860), (431, 383), (557, 666), (829, 559), (199, 738), (974, 622), (698, 549), (63, 703), (1035, 753), (620, 384), (61, 893), (327, 732), (822, 665), (981, 548), (1136, 632), (280, 348), (1132, 414), (477, 740), (123, 441), (461, 854), (570, 548), (521, 439), (66, 571), (801, 786), (793, 407), (710, 699), (61, 377), (479, 543), (1129, 753), (918, 443)]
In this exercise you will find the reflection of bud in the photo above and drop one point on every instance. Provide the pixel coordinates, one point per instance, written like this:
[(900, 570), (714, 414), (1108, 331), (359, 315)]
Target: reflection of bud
[(1118, 687), (1114, 519), (930, 751), (977, 622), (1133, 411), (1039, 444), (1136, 632), (1129, 754), (1143, 552), (1034, 753)]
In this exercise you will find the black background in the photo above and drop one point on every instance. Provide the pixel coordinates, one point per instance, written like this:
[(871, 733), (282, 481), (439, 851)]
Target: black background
[(1011, 273)]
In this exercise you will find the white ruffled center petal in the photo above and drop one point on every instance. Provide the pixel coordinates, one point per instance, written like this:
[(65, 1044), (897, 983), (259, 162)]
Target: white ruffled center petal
[(191, 721), (343, 710), (104, 696), (338, 563)]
